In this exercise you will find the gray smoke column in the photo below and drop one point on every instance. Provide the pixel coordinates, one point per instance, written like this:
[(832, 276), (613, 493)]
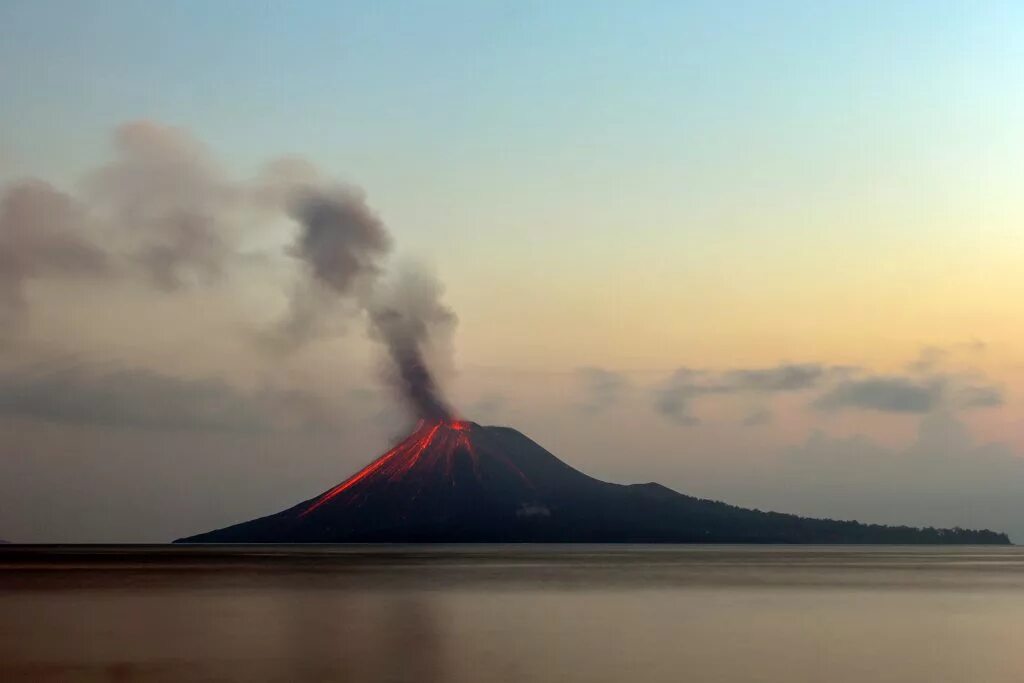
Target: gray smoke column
[(341, 238), (409, 318), (343, 242)]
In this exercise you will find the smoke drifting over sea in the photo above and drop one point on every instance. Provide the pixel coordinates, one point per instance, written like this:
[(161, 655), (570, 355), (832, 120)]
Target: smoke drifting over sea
[(163, 215)]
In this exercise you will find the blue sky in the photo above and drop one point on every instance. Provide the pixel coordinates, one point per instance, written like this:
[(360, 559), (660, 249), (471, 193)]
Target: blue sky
[(459, 82)]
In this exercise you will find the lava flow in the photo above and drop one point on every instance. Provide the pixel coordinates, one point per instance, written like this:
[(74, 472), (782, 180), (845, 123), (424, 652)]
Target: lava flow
[(432, 447)]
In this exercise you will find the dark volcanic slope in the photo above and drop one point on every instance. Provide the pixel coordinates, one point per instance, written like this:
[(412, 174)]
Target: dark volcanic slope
[(460, 482)]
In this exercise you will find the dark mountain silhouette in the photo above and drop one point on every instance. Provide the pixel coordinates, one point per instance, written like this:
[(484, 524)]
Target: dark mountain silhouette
[(454, 482)]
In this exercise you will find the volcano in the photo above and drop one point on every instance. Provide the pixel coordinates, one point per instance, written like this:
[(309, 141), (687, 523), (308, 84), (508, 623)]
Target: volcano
[(453, 481)]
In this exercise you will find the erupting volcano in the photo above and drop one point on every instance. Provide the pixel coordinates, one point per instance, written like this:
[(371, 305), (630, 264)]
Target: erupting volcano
[(430, 456), (456, 481)]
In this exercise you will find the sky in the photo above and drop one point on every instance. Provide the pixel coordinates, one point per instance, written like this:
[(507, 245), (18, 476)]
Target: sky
[(761, 252)]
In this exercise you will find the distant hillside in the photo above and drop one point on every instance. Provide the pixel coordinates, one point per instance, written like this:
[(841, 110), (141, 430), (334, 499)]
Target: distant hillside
[(458, 482)]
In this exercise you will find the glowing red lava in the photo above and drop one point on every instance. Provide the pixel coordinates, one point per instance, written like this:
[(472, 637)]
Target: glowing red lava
[(431, 446)]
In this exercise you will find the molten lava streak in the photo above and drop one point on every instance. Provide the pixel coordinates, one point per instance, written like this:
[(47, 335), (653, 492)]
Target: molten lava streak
[(432, 445)]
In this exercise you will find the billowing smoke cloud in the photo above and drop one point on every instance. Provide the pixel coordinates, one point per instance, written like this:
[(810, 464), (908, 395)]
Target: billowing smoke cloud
[(342, 243), (42, 234), (163, 214), (167, 204), (411, 320), (160, 209), (341, 237)]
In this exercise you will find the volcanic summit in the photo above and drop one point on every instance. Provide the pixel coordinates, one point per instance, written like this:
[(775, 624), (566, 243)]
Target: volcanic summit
[(453, 481)]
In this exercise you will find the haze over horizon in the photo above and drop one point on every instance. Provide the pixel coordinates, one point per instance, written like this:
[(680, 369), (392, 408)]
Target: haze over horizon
[(767, 255)]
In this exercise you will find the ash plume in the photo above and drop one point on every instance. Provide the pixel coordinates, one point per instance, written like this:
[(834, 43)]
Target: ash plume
[(342, 243), (163, 215), (411, 321), (41, 235), (167, 200), (341, 238)]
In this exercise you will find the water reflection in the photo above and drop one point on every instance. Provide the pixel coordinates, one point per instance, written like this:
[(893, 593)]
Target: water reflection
[(515, 614)]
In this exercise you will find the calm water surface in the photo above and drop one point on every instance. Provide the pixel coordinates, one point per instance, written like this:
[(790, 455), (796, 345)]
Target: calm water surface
[(513, 613)]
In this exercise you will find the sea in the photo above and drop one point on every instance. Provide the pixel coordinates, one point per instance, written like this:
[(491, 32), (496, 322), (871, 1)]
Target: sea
[(523, 613)]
